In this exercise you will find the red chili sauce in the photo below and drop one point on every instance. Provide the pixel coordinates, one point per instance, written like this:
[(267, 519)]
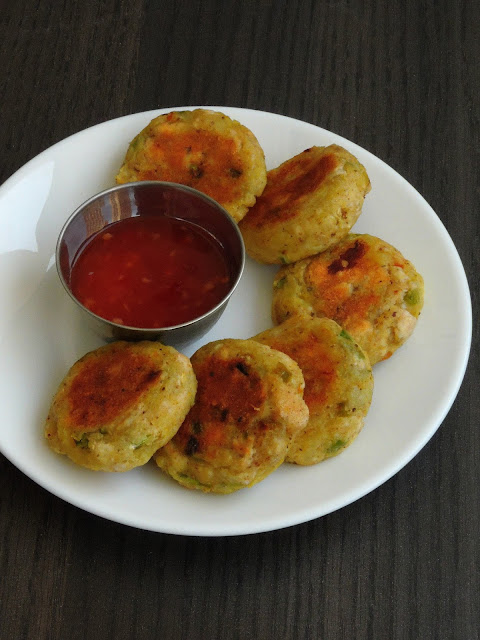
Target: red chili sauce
[(150, 272)]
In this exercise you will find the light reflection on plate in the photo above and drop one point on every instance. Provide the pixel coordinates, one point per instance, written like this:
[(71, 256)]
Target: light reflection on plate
[(42, 335)]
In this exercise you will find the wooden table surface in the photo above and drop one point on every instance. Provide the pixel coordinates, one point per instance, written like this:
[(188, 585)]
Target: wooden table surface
[(399, 78)]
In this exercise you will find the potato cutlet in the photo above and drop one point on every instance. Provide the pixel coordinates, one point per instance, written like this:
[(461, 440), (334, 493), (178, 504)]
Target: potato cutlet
[(364, 284), (338, 384), (249, 405), (118, 404), (203, 149), (310, 202)]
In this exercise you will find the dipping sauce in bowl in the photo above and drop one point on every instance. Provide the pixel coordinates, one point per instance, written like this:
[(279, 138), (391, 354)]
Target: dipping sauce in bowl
[(151, 260), (151, 272)]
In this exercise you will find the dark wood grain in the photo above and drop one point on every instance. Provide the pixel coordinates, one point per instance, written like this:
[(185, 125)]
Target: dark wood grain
[(399, 78)]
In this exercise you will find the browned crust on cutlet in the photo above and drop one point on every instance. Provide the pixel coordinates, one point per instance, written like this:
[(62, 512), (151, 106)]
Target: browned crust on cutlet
[(290, 185), (107, 385), (229, 395)]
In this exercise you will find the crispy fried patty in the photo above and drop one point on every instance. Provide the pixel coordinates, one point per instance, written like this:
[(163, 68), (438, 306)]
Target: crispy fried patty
[(364, 284), (338, 384), (248, 407), (202, 149), (310, 202), (119, 404)]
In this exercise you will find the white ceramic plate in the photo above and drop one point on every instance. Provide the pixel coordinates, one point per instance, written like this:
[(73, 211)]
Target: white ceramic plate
[(42, 335)]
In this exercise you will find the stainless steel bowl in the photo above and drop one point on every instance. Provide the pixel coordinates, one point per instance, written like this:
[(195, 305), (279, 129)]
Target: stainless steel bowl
[(152, 198)]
